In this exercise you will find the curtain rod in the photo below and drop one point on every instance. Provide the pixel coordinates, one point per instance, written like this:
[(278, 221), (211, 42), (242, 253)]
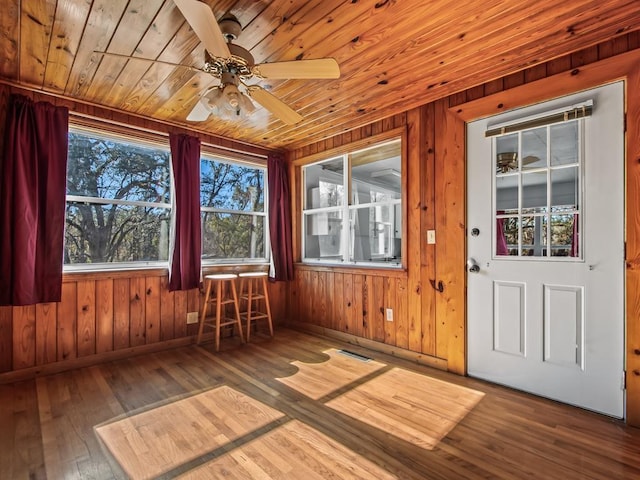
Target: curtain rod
[(142, 129), (573, 114)]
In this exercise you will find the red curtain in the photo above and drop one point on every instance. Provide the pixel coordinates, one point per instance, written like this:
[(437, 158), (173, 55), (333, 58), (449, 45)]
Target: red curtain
[(32, 202), (279, 218), (184, 273), (501, 239)]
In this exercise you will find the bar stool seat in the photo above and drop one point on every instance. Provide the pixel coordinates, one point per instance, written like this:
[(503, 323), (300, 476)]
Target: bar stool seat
[(253, 288), (226, 293)]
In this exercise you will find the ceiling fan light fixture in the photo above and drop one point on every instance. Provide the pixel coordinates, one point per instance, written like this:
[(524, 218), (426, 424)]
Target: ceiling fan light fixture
[(247, 105), (232, 96), (228, 102), (212, 98)]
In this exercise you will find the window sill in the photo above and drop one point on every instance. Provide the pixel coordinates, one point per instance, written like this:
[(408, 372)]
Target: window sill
[(396, 272), (153, 271), (113, 273)]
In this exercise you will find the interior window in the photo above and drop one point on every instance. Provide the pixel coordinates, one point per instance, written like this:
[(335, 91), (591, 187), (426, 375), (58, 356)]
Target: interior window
[(353, 207)]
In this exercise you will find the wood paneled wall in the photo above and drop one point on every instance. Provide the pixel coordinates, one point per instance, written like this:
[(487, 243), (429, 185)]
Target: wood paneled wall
[(427, 297), (433, 322), (100, 316), (104, 315)]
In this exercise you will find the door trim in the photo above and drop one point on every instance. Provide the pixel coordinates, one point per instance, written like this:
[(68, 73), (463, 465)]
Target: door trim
[(620, 67)]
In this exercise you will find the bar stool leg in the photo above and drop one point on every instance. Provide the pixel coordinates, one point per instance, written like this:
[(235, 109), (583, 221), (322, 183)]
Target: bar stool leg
[(267, 303), (236, 306), (249, 304), (203, 315), (218, 312)]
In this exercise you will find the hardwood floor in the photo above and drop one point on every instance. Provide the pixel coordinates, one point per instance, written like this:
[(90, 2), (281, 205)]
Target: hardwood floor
[(293, 407)]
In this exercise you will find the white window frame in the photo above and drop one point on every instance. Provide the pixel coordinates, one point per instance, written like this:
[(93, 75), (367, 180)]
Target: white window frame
[(145, 143), (146, 140), (264, 214), (347, 241)]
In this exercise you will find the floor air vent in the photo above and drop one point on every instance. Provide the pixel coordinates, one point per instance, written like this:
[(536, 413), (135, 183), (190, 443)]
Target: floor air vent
[(355, 355)]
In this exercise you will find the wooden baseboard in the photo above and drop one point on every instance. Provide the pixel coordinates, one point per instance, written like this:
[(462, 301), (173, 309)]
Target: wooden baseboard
[(58, 367), (397, 352)]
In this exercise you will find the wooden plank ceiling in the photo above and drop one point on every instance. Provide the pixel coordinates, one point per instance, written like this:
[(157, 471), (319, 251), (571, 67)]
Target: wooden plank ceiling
[(393, 55)]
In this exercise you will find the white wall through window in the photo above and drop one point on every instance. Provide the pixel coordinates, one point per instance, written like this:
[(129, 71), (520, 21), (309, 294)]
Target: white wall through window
[(353, 207)]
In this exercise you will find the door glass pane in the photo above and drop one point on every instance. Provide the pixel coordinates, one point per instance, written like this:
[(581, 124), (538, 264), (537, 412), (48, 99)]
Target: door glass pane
[(532, 234), (564, 143), (507, 236), (564, 189), (508, 244), (564, 235), (534, 192), (507, 153), (534, 148), (507, 194)]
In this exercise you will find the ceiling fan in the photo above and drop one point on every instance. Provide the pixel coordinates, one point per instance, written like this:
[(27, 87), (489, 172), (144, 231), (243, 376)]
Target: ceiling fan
[(233, 67), (508, 161)]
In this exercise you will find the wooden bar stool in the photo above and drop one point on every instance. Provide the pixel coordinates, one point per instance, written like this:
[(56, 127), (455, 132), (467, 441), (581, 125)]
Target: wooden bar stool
[(224, 282), (255, 284)]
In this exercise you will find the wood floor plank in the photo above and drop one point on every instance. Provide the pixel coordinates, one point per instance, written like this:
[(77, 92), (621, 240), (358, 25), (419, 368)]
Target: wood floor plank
[(290, 408)]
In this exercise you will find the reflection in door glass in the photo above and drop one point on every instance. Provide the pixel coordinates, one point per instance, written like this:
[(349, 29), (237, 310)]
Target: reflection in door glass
[(534, 192), (508, 234), (564, 143), (507, 153), (507, 194), (534, 148), (564, 235), (537, 203)]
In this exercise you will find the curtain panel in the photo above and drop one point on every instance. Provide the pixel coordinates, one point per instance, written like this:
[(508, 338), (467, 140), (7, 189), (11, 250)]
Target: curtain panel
[(33, 173), (186, 250), (279, 219)]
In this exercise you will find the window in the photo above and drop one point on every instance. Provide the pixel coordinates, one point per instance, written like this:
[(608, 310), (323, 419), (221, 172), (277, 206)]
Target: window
[(119, 195), (118, 201), (232, 199), (353, 208), (538, 191)]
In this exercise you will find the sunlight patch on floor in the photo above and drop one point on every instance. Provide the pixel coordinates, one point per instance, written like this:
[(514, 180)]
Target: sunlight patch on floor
[(293, 450), (414, 407), (316, 380), (156, 441)]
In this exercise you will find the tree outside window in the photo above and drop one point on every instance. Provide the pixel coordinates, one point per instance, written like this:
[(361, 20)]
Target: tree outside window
[(232, 199), (118, 201), (119, 197)]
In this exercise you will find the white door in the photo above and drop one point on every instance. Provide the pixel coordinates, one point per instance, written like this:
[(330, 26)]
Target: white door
[(545, 298)]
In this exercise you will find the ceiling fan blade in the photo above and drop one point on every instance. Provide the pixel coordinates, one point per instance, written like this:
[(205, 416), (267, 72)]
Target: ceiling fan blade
[(204, 24), (315, 68), (199, 113), (274, 105), (149, 60)]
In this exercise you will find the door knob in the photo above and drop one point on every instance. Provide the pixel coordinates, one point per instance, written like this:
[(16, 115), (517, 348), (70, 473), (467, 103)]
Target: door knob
[(472, 266)]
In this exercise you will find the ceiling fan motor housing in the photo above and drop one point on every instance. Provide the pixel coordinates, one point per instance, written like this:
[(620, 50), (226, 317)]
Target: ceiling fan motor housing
[(230, 27)]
